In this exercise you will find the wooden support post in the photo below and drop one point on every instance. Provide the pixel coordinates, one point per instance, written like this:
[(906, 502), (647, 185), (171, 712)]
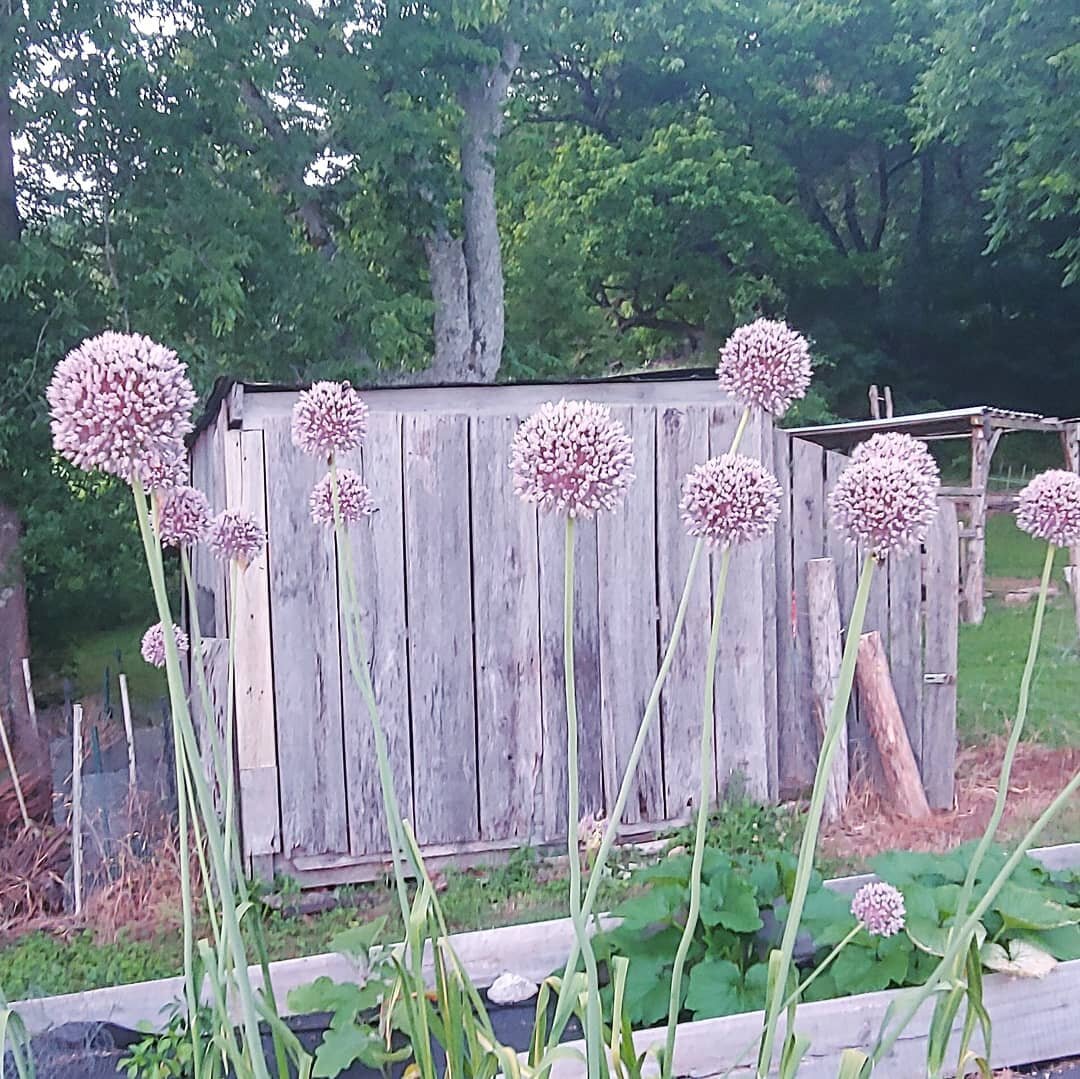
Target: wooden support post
[(76, 807), (129, 734), (825, 650), (877, 701), (31, 705), (14, 773), (983, 443)]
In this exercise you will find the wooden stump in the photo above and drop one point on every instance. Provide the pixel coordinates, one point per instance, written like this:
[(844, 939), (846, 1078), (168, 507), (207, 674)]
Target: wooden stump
[(825, 652), (877, 701)]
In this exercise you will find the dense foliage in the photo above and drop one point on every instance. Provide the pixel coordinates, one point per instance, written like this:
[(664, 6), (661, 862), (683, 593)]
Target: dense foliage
[(282, 190), (743, 908)]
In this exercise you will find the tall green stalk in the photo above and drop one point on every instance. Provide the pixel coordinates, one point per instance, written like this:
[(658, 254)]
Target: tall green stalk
[(652, 707), (185, 743), (808, 847), (1014, 739), (594, 1041), (705, 790)]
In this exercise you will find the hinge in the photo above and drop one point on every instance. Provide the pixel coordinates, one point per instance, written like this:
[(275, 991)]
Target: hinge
[(939, 679)]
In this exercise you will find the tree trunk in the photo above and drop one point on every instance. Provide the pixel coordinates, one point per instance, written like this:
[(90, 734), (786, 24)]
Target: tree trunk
[(449, 290), (15, 646)]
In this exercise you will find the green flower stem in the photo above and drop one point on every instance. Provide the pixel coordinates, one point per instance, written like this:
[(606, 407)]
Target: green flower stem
[(958, 942), (1014, 740), (808, 847), (593, 1019), (797, 993), (186, 744), (705, 791), (611, 832)]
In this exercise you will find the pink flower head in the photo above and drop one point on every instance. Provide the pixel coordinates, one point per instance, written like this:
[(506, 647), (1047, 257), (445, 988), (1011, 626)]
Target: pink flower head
[(166, 472), (729, 500), (767, 364), (883, 504), (354, 499), (329, 418), (234, 534), (121, 403), (892, 445), (572, 458), (183, 515), (1049, 507), (880, 908), (153, 644)]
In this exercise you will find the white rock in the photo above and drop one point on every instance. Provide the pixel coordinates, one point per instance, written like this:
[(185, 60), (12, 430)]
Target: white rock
[(511, 989)]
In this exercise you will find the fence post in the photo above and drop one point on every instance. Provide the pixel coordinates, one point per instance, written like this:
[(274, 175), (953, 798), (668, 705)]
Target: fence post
[(825, 652)]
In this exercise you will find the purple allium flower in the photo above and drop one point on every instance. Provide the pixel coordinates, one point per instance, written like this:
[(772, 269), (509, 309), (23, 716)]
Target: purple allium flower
[(884, 505), (880, 908), (1049, 507), (765, 363), (892, 445), (329, 418), (729, 500), (354, 499), (183, 515), (572, 458), (234, 534), (166, 472), (120, 403), (153, 644)]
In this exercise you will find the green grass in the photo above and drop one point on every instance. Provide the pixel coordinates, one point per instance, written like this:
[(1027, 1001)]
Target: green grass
[(992, 655)]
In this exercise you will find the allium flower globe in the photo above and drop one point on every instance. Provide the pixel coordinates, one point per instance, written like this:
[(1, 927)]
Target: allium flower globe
[(183, 516), (354, 499), (1049, 507), (153, 644), (121, 403), (329, 418), (893, 445), (730, 500), (880, 908), (167, 471), (765, 364), (234, 534), (572, 458), (883, 505)]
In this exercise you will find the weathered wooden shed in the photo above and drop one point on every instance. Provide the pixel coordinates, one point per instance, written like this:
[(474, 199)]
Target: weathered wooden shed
[(461, 585)]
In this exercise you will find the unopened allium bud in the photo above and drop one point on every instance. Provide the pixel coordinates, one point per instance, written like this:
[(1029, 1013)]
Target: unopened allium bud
[(766, 364), (884, 505), (893, 445), (234, 534), (1049, 507), (153, 644), (354, 499), (121, 403), (572, 458), (329, 418), (730, 500), (880, 908), (183, 514)]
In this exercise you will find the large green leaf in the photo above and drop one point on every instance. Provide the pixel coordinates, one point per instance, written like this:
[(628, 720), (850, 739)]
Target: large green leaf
[(1025, 908)]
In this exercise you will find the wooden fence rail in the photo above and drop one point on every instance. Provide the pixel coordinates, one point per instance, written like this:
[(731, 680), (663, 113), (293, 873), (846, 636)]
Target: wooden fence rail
[(462, 594)]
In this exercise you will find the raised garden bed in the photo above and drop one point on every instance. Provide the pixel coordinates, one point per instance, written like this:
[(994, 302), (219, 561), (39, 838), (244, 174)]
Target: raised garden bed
[(1034, 1020)]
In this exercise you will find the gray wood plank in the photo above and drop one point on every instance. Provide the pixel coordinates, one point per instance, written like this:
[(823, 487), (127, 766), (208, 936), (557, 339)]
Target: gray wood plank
[(307, 669), (506, 587), (378, 557), (799, 739), (256, 738), (682, 441), (437, 567), (741, 740), (215, 660), (941, 581), (551, 530), (626, 560), (769, 628), (905, 643), (785, 614), (845, 559)]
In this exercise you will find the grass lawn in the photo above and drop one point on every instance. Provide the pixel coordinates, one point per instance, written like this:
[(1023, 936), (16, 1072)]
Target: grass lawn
[(992, 655)]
